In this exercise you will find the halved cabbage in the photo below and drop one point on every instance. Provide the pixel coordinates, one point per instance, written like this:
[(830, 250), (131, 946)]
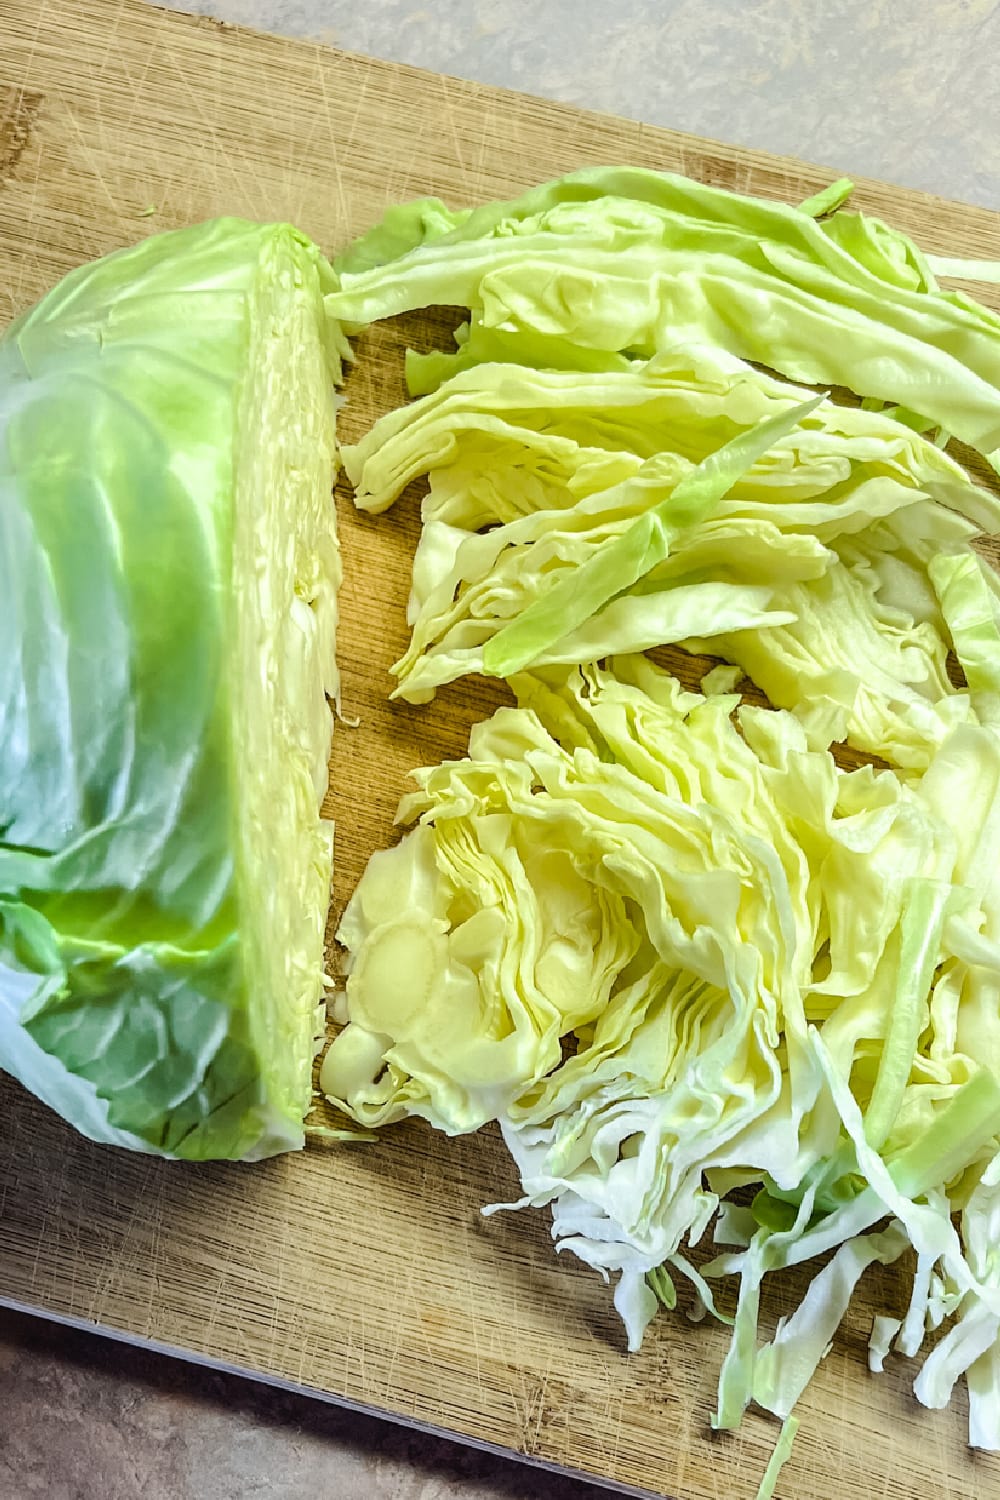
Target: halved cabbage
[(168, 571)]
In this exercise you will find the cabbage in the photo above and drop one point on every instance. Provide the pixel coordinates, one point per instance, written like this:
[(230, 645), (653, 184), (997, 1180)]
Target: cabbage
[(662, 937), (675, 951), (645, 544), (820, 572), (169, 569), (497, 926), (620, 259), (779, 1457)]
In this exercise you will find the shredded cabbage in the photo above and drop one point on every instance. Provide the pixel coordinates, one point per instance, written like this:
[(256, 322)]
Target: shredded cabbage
[(814, 570), (619, 259), (661, 936), (744, 946)]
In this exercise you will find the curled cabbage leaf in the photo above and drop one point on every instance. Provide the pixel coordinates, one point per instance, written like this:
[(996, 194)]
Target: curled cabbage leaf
[(625, 260)]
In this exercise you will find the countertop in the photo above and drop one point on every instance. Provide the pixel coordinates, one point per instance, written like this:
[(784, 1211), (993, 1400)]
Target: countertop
[(886, 88)]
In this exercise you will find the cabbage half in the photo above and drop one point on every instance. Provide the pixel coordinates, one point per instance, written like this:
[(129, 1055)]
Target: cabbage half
[(168, 580)]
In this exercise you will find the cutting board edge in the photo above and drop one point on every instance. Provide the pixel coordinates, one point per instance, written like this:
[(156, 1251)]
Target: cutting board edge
[(329, 1398), (794, 166)]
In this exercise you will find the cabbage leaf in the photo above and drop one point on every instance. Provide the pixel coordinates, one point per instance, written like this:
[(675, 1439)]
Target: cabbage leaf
[(814, 571), (626, 260)]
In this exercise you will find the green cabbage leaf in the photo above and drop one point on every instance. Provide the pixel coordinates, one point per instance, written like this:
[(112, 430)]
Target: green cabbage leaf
[(625, 260)]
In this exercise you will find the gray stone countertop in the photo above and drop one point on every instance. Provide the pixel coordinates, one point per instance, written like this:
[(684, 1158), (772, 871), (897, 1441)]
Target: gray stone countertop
[(905, 91)]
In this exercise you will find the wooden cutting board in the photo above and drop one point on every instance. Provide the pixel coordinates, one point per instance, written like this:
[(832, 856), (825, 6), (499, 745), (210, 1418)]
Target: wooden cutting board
[(366, 1275)]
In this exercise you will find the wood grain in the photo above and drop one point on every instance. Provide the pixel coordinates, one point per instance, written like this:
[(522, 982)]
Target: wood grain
[(367, 1274)]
